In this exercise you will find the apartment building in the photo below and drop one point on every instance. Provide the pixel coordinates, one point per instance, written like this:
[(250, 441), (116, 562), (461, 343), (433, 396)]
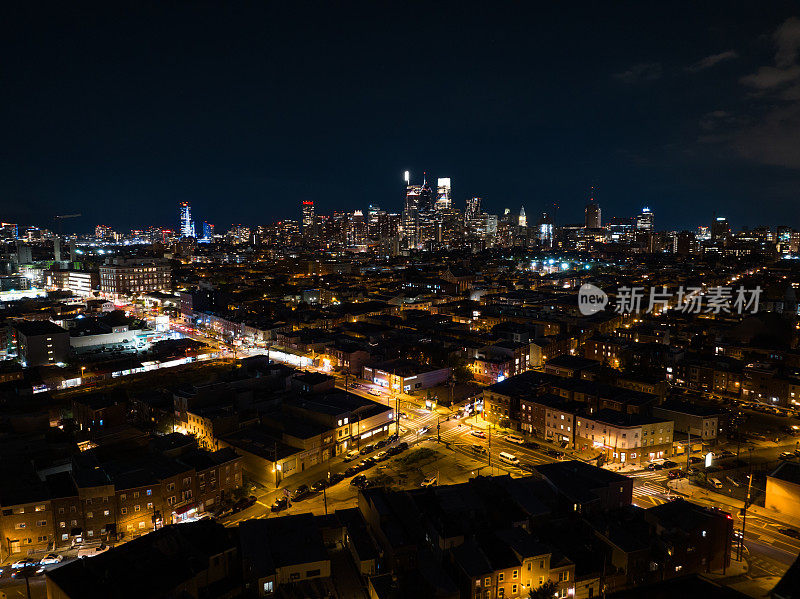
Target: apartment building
[(625, 438), (134, 275)]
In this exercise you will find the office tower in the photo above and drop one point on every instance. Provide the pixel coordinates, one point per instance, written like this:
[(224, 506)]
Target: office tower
[(522, 221), (545, 230), (186, 223), (685, 243), (473, 208), (308, 219), (644, 221), (444, 200), (356, 229), (24, 254), (593, 218), (620, 228), (208, 230), (720, 229), (57, 248)]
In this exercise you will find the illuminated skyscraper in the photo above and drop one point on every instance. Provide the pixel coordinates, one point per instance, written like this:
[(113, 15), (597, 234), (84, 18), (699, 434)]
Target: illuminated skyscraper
[(522, 220), (444, 200), (644, 221), (308, 219), (186, 223), (473, 208), (545, 230), (208, 230)]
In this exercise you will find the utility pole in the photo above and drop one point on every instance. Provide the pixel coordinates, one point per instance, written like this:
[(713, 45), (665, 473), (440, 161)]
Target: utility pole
[(490, 449), (688, 451), (325, 493), (744, 516)]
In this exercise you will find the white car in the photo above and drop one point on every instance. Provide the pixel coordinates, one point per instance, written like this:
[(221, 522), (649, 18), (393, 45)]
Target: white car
[(24, 562), (51, 558), (375, 392), (431, 480)]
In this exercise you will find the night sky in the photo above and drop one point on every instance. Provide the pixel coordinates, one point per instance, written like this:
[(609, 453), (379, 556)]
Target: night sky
[(120, 112)]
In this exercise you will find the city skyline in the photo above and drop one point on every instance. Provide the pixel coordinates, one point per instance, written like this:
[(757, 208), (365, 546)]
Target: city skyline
[(673, 113)]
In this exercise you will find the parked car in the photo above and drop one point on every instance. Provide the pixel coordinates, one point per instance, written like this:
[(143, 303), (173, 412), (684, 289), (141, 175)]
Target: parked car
[(392, 438), (334, 478), (479, 434), (351, 455), (244, 503), (301, 492), (479, 449), (402, 445), (674, 474), (51, 558), (25, 562), (786, 455), (319, 485), (380, 444), (375, 392), (654, 467), (20, 573), (554, 453), (351, 471), (429, 481), (366, 464), (531, 445), (281, 503), (669, 464), (367, 449), (358, 481), (695, 460)]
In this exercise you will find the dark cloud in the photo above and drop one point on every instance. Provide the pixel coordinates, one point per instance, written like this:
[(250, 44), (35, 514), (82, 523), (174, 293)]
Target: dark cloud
[(710, 61), (774, 140), (772, 136), (643, 71)]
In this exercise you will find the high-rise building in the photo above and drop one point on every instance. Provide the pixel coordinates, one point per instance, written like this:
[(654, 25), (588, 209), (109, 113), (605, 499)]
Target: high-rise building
[(593, 218), (473, 208), (645, 221), (444, 199), (620, 228), (308, 219), (720, 229), (208, 230), (186, 223), (523, 220), (545, 230)]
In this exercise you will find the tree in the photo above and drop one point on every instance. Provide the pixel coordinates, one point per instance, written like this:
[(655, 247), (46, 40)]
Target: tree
[(546, 591)]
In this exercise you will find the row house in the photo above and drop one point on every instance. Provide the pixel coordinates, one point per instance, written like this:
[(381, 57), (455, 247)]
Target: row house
[(510, 563), (502, 401)]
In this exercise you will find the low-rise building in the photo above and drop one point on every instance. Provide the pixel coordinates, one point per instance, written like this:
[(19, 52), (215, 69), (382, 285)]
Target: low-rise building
[(627, 438), (41, 342)]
